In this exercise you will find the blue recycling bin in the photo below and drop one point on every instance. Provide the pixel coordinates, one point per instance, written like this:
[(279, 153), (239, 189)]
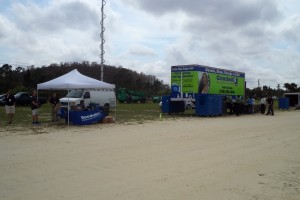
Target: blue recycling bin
[(209, 105), (165, 107), (283, 103)]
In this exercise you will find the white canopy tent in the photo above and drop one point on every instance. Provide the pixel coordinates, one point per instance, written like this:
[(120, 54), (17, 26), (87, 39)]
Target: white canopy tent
[(74, 80)]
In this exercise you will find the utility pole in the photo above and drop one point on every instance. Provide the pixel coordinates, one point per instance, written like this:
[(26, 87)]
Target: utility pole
[(258, 83), (102, 38)]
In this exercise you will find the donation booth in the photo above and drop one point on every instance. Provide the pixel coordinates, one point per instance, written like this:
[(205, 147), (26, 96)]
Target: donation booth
[(86, 117), (93, 113), (83, 117)]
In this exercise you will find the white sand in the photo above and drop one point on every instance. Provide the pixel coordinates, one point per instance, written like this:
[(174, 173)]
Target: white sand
[(247, 157)]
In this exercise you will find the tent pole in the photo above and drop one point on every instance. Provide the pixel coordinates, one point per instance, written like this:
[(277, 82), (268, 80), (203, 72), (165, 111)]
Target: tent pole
[(115, 108), (37, 99), (68, 108)]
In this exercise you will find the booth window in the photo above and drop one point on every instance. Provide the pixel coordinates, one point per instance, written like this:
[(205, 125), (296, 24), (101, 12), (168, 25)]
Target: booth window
[(86, 95)]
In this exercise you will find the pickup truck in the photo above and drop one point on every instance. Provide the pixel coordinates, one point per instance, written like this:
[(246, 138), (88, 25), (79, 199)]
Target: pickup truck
[(23, 98)]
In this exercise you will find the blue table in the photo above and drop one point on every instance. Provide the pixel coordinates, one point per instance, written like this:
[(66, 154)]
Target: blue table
[(86, 117)]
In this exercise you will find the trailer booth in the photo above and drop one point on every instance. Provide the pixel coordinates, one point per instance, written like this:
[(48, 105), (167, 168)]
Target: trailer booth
[(205, 86)]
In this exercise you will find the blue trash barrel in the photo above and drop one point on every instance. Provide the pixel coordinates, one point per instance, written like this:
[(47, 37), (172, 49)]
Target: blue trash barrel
[(283, 103)]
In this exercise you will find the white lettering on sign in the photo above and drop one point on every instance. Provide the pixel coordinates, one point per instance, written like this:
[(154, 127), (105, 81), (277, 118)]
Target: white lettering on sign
[(91, 116)]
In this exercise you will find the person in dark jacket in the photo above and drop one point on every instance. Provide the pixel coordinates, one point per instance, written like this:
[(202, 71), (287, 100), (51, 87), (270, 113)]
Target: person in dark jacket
[(54, 100), (270, 103)]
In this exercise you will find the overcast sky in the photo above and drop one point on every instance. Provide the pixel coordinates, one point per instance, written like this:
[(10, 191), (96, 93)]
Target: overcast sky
[(258, 37)]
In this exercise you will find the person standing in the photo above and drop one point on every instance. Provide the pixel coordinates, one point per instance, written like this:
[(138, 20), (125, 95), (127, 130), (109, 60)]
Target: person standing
[(236, 105), (229, 104), (54, 100), (10, 104), (81, 105), (270, 103), (250, 105), (263, 105), (34, 108)]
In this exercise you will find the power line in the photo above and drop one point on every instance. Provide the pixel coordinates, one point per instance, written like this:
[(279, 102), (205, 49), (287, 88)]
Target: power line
[(14, 63)]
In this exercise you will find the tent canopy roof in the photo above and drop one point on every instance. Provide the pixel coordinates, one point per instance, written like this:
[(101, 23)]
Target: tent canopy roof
[(74, 80)]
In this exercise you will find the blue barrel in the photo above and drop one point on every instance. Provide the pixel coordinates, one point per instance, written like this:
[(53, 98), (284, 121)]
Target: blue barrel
[(283, 103), (165, 107)]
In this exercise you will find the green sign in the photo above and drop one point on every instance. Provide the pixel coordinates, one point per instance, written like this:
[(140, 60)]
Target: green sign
[(189, 81), (208, 80)]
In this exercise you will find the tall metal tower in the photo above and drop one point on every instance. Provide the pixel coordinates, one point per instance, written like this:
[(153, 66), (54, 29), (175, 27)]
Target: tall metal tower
[(102, 38)]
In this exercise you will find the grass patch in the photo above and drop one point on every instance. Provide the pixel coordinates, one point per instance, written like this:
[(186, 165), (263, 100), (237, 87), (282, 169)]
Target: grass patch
[(135, 113), (125, 113)]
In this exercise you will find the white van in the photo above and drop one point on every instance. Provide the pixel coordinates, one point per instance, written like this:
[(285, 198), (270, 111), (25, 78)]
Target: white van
[(103, 97)]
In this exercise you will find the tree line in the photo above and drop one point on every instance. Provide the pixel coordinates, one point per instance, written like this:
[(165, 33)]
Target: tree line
[(268, 91), (26, 79)]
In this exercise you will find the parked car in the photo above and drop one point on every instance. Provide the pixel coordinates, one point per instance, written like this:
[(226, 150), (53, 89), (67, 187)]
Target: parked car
[(188, 104), (105, 98), (23, 98), (2, 101)]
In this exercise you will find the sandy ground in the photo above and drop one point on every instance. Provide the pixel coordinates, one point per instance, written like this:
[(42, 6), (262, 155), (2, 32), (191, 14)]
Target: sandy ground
[(247, 157)]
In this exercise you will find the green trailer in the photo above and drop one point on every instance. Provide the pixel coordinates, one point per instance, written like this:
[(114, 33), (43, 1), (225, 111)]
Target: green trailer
[(130, 96)]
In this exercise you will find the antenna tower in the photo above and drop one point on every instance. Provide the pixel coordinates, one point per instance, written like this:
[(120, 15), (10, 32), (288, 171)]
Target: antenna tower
[(102, 38)]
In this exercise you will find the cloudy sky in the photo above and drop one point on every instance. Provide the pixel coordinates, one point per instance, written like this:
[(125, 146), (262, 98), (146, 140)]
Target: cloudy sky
[(258, 37)]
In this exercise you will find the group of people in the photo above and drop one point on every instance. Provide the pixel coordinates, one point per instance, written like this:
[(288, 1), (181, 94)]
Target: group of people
[(234, 104), (237, 105), (10, 106)]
